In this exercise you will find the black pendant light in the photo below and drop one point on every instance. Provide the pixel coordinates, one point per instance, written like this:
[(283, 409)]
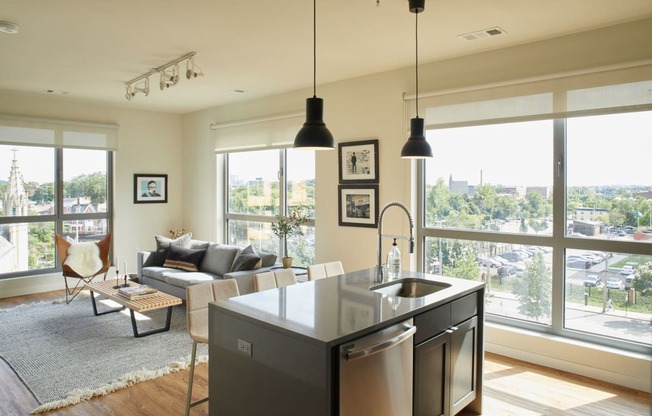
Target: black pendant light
[(416, 146), (314, 134)]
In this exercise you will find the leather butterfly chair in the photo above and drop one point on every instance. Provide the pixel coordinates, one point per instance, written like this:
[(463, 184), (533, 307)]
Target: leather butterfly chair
[(62, 248)]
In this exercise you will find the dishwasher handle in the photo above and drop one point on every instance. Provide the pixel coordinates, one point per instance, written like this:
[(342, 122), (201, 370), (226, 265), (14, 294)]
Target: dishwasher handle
[(351, 354)]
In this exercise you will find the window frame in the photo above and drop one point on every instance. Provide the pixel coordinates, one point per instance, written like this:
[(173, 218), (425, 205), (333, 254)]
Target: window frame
[(559, 242), (59, 217), (283, 191)]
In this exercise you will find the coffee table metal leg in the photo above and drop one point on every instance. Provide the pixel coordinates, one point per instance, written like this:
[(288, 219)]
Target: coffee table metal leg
[(153, 331), (105, 312)]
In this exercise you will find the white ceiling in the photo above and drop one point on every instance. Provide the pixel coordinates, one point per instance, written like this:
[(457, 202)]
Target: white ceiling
[(90, 48)]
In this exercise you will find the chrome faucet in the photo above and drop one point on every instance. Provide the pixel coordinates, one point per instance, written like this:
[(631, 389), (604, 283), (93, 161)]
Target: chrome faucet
[(379, 276)]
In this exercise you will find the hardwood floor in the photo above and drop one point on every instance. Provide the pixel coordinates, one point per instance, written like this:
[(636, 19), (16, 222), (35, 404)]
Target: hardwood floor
[(511, 387)]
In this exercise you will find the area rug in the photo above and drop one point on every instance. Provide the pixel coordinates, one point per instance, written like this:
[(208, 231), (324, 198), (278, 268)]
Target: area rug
[(65, 354)]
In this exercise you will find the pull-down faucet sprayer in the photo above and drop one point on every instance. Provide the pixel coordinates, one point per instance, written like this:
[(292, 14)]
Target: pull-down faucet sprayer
[(379, 276)]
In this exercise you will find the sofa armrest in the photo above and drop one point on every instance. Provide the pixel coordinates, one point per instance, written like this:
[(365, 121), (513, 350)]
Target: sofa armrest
[(141, 258)]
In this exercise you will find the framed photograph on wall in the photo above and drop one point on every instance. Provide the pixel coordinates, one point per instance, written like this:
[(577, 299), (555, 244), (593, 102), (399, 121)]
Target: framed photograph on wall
[(358, 161), (150, 188), (358, 205)]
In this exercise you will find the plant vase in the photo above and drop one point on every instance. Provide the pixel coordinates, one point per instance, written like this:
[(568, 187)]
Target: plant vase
[(287, 262)]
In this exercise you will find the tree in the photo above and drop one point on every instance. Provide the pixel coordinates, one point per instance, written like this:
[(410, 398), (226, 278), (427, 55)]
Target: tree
[(459, 258), (533, 289), (643, 279), (44, 193), (92, 186)]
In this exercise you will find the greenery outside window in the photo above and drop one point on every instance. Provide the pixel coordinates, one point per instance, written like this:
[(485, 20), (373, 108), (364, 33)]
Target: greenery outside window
[(262, 184)]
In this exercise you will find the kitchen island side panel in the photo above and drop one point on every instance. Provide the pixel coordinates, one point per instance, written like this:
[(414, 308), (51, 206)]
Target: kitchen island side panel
[(282, 374)]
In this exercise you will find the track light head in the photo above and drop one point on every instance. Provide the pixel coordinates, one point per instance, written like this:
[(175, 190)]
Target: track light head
[(169, 79), (140, 88), (192, 70)]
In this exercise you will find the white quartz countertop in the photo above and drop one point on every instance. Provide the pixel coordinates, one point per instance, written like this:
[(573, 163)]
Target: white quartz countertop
[(336, 309)]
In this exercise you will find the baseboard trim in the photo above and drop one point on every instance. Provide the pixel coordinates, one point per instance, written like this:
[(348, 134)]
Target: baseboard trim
[(610, 365)]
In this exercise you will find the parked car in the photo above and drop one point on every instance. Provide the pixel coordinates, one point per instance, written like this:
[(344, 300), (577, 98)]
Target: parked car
[(592, 280), (614, 283), (489, 263), (506, 270), (512, 257), (503, 261), (627, 270), (578, 264)]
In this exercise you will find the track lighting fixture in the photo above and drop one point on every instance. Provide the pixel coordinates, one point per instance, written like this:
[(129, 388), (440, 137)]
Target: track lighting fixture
[(169, 74), (192, 70), (417, 146)]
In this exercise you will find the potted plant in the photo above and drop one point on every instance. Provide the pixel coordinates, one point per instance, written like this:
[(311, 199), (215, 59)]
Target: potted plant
[(287, 226)]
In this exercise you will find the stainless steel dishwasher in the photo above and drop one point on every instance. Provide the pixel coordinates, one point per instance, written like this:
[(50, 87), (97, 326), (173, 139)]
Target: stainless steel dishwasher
[(376, 373)]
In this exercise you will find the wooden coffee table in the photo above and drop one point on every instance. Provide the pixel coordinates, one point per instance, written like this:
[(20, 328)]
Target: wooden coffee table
[(158, 301)]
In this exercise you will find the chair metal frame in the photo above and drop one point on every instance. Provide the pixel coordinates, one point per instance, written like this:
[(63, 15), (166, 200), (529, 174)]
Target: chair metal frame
[(62, 249)]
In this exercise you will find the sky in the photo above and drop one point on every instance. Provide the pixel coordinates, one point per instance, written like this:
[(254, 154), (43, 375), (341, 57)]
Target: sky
[(37, 164), (602, 150)]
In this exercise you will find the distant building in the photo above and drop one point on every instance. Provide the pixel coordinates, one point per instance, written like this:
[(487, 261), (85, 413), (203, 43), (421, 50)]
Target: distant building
[(14, 252), (458, 187), (592, 214), (588, 228), (544, 191), (517, 192)]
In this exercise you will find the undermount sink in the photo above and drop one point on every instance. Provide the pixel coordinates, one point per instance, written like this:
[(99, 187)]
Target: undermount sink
[(409, 288)]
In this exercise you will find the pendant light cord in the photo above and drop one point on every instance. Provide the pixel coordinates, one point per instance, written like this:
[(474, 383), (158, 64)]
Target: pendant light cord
[(416, 67), (314, 48)]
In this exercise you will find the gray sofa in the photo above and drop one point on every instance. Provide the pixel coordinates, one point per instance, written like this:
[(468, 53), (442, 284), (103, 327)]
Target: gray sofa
[(172, 269)]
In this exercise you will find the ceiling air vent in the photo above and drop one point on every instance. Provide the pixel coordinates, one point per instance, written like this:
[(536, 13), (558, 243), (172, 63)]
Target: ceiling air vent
[(494, 31)]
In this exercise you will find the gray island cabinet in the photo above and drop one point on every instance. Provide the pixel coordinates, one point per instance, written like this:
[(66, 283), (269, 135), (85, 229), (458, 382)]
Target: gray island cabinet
[(278, 352)]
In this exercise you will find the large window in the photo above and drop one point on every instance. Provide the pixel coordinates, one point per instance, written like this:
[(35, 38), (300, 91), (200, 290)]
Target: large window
[(499, 195), (44, 191), (262, 184)]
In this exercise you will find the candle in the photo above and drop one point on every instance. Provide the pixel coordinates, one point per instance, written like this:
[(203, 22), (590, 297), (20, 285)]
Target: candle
[(125, 270)]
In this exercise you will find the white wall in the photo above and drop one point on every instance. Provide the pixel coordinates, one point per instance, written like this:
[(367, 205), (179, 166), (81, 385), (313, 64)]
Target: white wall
[(149, 142)]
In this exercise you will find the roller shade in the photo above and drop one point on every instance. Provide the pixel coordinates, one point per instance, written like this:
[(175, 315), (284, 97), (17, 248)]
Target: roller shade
[(27, 131), (599, 92), (272, 132)]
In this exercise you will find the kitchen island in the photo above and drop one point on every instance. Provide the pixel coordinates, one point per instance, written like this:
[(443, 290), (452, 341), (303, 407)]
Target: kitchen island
[(278, 352)]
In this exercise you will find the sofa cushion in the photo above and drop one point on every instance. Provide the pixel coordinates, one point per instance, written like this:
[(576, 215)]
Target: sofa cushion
[(266, 259), (162, 244), (246, 260), (157, 272), (187, 259), (187, 278), (196, 244), (218, 259)]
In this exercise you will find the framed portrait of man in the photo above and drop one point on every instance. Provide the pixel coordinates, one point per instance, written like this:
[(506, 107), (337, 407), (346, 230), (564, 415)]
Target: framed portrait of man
[(150, 188)]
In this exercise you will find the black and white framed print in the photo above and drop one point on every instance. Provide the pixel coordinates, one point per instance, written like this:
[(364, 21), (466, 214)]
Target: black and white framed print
[(358, 161), (150, 188), (358, 205)]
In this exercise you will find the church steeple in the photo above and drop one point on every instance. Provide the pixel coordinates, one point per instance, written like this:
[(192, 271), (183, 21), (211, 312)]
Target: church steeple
[(14, 200)]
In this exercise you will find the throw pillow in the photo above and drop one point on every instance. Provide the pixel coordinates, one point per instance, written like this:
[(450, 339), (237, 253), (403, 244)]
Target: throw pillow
[(266, 259), (187, 259), (218, 259), (247, 260), (162, 244)]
